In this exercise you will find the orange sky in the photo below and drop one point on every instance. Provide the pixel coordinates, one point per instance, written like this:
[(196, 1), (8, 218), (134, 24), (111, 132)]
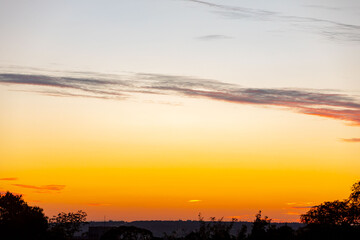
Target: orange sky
[(66, 154), (163, 109)]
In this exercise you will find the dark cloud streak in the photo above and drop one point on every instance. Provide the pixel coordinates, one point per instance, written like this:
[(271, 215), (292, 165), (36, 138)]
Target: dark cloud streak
[(323, 7), (302, 207), (327, 28), (339, 106), (97, 88)]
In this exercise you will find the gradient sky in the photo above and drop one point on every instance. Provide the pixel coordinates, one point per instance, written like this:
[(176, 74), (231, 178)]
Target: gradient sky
[(161, 109)]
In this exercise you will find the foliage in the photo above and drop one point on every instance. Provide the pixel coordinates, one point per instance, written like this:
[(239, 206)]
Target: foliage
[(355, 193), (213, 230), (262, 229), (260, 226), (335, 212), (68, 223), (346, 212), (18, 220)]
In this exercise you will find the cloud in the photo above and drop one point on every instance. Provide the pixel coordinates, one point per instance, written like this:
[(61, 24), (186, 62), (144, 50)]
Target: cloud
[(42, 189), (327, 104), (350, 115), (9, 179), (335, 106), (322, 7), (194, 201), (213, 37), (327, 28), (351, 140), (301, 205), (89, 85), (293, 213)]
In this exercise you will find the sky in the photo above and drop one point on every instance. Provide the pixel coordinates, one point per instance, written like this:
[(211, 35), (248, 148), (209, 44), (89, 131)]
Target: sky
[(162, 109)]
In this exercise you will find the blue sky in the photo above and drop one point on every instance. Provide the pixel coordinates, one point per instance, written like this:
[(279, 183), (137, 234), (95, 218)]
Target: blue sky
[(253, 43)]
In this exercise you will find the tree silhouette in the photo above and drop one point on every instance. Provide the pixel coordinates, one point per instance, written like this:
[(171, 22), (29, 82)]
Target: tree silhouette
[(355, 194), (20, 221), (212, 230), (67, 224), (354, 204), (260, 226), (346, 212), (336, 212)]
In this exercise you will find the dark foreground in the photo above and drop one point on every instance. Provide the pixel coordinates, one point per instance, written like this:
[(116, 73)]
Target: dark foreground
[(159, 228), (335, 220), (261, 228)]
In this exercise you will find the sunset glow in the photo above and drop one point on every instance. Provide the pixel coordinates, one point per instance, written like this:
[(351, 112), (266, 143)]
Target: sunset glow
[(161, 110)]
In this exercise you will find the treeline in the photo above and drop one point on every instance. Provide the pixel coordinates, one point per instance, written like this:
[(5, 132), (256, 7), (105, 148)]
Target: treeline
[(261, 229), (336, 220)]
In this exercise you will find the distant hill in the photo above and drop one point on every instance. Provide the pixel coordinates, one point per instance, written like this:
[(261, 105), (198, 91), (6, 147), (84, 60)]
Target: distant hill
[(159, 228)]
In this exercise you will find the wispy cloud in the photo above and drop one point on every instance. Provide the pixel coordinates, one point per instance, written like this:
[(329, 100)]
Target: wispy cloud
[(194, 201), (351, 140), (293, 213), (213, 37), (323, 7), (89, 85), (9, 179), (334, 105), (302, 205), (42, 189), (328, 28)]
